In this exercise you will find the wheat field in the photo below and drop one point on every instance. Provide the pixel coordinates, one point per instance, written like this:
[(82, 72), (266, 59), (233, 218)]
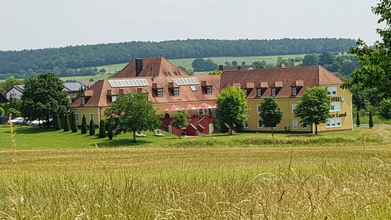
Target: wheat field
[(309, 182)]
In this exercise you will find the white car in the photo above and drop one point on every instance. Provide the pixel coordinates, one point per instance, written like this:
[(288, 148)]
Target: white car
[(17, 121), (37, 122)]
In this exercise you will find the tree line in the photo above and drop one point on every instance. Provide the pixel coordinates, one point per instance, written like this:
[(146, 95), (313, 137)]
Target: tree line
[(69, 60), (344, 64)]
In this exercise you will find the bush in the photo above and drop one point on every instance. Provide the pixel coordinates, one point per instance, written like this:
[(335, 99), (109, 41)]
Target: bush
[(65, 123), (73, 123), (92, 127), (102, 130), (180, 120), (385, 109), (84, 125), (57, 122), (110, 130)]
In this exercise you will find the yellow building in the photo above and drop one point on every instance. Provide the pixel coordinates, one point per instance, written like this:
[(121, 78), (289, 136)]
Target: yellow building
[(287, 85)]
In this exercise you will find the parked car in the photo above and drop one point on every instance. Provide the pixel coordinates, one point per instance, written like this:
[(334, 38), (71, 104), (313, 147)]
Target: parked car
[(17, 121)]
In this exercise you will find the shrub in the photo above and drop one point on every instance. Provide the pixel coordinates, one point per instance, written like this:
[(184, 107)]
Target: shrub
[(370, 120), (110, 130), (84, 125), (65, 123), (92, 127), (73, 123), (102, 131), (180, 120), (385, 109), (57, 122)]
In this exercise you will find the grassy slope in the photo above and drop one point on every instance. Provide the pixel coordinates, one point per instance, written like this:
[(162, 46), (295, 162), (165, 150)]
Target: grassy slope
[(219, 60), (272, 182)]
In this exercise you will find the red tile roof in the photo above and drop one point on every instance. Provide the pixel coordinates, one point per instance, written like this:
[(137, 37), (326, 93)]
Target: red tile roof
[(152, 67), (286, 77)]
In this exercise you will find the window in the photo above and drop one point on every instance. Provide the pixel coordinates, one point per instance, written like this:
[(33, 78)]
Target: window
[(294, 91), (208, 90), (294, 107), (175, 91), (274, 92), (334, 123), (159, 92), (113, 98), (332, 91), (259, 92), (335, 107), (194, 88)]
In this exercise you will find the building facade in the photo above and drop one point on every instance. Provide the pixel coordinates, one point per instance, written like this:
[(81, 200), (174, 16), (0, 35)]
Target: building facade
[(287, 85), (170, 89)]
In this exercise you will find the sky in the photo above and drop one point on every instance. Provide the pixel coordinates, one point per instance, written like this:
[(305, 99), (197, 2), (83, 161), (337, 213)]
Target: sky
[(32, 24)]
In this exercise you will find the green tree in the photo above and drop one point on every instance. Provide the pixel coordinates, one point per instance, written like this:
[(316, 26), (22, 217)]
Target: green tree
[(326, 59), (83, 128), (385, 108), (92, 127), (102, 129), (314, 107), (73, 123), (311, 60), (270, 114), (43, 97), (374, 73), (232, 108), (180, 120), (135, 113), (65, 123), (2, 112), (203, 65)]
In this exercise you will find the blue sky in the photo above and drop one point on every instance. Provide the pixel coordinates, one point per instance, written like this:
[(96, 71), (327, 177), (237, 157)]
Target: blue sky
[(28, 24)]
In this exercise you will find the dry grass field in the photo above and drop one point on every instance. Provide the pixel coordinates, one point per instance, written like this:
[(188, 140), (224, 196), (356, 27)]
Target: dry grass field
[(264, 181)]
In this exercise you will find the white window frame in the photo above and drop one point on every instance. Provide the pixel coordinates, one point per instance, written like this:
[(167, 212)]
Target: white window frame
[(336, 107), (334, 123), (332, 91)]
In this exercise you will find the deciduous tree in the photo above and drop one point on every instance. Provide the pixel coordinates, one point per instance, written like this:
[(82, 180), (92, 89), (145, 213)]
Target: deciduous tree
[(270, 114), (135, 113), (232, 108), (313, 107)]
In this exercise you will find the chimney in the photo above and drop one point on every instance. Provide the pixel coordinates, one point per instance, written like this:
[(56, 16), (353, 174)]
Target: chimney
[(139, 66)]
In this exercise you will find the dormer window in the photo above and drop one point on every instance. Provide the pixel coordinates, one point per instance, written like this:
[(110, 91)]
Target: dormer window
[(274, 92), (294, 91), (208, 90), (175, 91)]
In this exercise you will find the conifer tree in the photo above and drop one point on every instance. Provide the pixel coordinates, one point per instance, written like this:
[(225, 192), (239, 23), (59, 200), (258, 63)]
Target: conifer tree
[(92, 127), (83, 125), (102, 130)]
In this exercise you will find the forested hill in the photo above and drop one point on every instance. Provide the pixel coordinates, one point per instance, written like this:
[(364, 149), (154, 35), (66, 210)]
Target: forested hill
[(65, 60)]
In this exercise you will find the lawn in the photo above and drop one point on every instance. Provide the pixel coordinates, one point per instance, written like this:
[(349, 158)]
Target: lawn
[(29, 139), (343, 175)]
